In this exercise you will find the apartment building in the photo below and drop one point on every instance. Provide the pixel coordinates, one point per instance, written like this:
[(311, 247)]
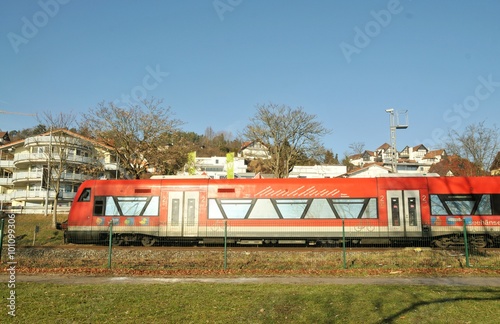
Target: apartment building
[(411, 160), (34, 170)]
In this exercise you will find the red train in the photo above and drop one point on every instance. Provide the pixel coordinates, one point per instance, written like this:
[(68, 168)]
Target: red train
[(423, 210)]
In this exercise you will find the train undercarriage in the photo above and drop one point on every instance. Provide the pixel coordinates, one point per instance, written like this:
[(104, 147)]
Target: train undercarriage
[(459, 240), (444, 242)]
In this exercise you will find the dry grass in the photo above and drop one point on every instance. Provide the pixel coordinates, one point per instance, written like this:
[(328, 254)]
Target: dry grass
[(239, 260)]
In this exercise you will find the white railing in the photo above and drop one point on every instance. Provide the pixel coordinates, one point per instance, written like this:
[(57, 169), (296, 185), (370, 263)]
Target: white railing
[(37, 176), (26, 195), (6, 163), (55, 140), (43, 157), (5, 181)]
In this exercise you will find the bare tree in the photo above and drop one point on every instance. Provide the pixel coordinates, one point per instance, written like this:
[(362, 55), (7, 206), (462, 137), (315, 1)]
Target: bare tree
[(209, 133), (357, 147), (478, 144), (141, 134), (57, 153), (288, 133)]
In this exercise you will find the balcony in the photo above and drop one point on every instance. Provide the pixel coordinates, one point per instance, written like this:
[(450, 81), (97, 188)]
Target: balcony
[(55, 140), (40, 195), (23, 158), (6, 181), (28, 176), (6, 164)]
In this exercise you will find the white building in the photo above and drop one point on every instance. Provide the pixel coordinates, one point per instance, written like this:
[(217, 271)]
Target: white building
[(216, 167), (317, 171), (415, 160), (70, 157)]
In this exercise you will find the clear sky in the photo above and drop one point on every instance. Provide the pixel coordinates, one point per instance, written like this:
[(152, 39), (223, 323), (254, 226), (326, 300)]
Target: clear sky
[(213, 61)]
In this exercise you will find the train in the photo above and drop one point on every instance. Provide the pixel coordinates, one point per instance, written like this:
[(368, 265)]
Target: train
[(429, 211)]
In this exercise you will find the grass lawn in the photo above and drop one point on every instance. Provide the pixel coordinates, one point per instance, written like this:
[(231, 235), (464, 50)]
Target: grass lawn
[(251, 303), (241, 303)]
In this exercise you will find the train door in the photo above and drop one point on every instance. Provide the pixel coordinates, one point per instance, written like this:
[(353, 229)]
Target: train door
[(183, 213), (403, 209)]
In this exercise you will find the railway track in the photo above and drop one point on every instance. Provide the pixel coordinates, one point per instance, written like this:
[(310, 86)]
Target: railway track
[(247, 248)]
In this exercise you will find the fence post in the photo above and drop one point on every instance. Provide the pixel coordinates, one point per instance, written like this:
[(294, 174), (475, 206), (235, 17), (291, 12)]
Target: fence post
[(343, 244), (35, 231), (466, 245), (225, 245), (1, 237), (110, 249)]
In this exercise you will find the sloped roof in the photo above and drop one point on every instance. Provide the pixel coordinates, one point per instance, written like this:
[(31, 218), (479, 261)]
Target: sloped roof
[(368, 166), (5, 136), (433, 154), (62, 130), (419, 147), (496, 163), (246, 144), (384, 147)]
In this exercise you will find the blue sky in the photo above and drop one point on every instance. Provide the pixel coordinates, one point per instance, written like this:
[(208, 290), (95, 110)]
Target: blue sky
[(213, 61)]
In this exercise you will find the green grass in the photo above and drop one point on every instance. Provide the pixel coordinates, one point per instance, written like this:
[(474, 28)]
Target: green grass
[(25, 230), (310, 261), (252, 303)]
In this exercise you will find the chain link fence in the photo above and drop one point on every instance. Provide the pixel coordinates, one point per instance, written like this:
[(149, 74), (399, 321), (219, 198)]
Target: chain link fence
[(227, 247)]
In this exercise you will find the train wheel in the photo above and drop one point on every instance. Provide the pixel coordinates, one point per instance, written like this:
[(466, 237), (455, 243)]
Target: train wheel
[(117, 240), (442, 243), (478, 242), (148, 241)]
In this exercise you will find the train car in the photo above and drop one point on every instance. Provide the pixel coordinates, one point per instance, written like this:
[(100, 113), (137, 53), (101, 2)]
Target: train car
[(473, 202), (288, 211)]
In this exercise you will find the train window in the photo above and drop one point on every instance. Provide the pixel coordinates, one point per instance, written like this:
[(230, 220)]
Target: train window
[(412, 211), (111, 207), (126, 206), (437, 207), (152, 207), (85, 196), (395, 214), (292, 208), (484, 207), (214, 211), (99, 206), (263, 209), (235, 208), (461, 205), (495, 204), (175, 212), (137, 206), (355, 208), (190, 212), (320, 208)]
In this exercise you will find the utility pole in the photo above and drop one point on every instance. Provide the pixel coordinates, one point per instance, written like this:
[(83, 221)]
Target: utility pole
[(395, 123)]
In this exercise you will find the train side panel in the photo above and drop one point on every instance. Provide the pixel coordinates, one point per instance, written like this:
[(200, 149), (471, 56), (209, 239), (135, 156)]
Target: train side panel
[(474, 201), (286, 211), (131, 206), (404, 204), (281, 209), (79, 223)]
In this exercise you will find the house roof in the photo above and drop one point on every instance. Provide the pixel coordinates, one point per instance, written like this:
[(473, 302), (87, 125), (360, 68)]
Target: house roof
[(5, 136), (246, 144), (61, 130), (433, 154), (496, 163), (384, 147), (367, 166), (419, 147), (361, 155)]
